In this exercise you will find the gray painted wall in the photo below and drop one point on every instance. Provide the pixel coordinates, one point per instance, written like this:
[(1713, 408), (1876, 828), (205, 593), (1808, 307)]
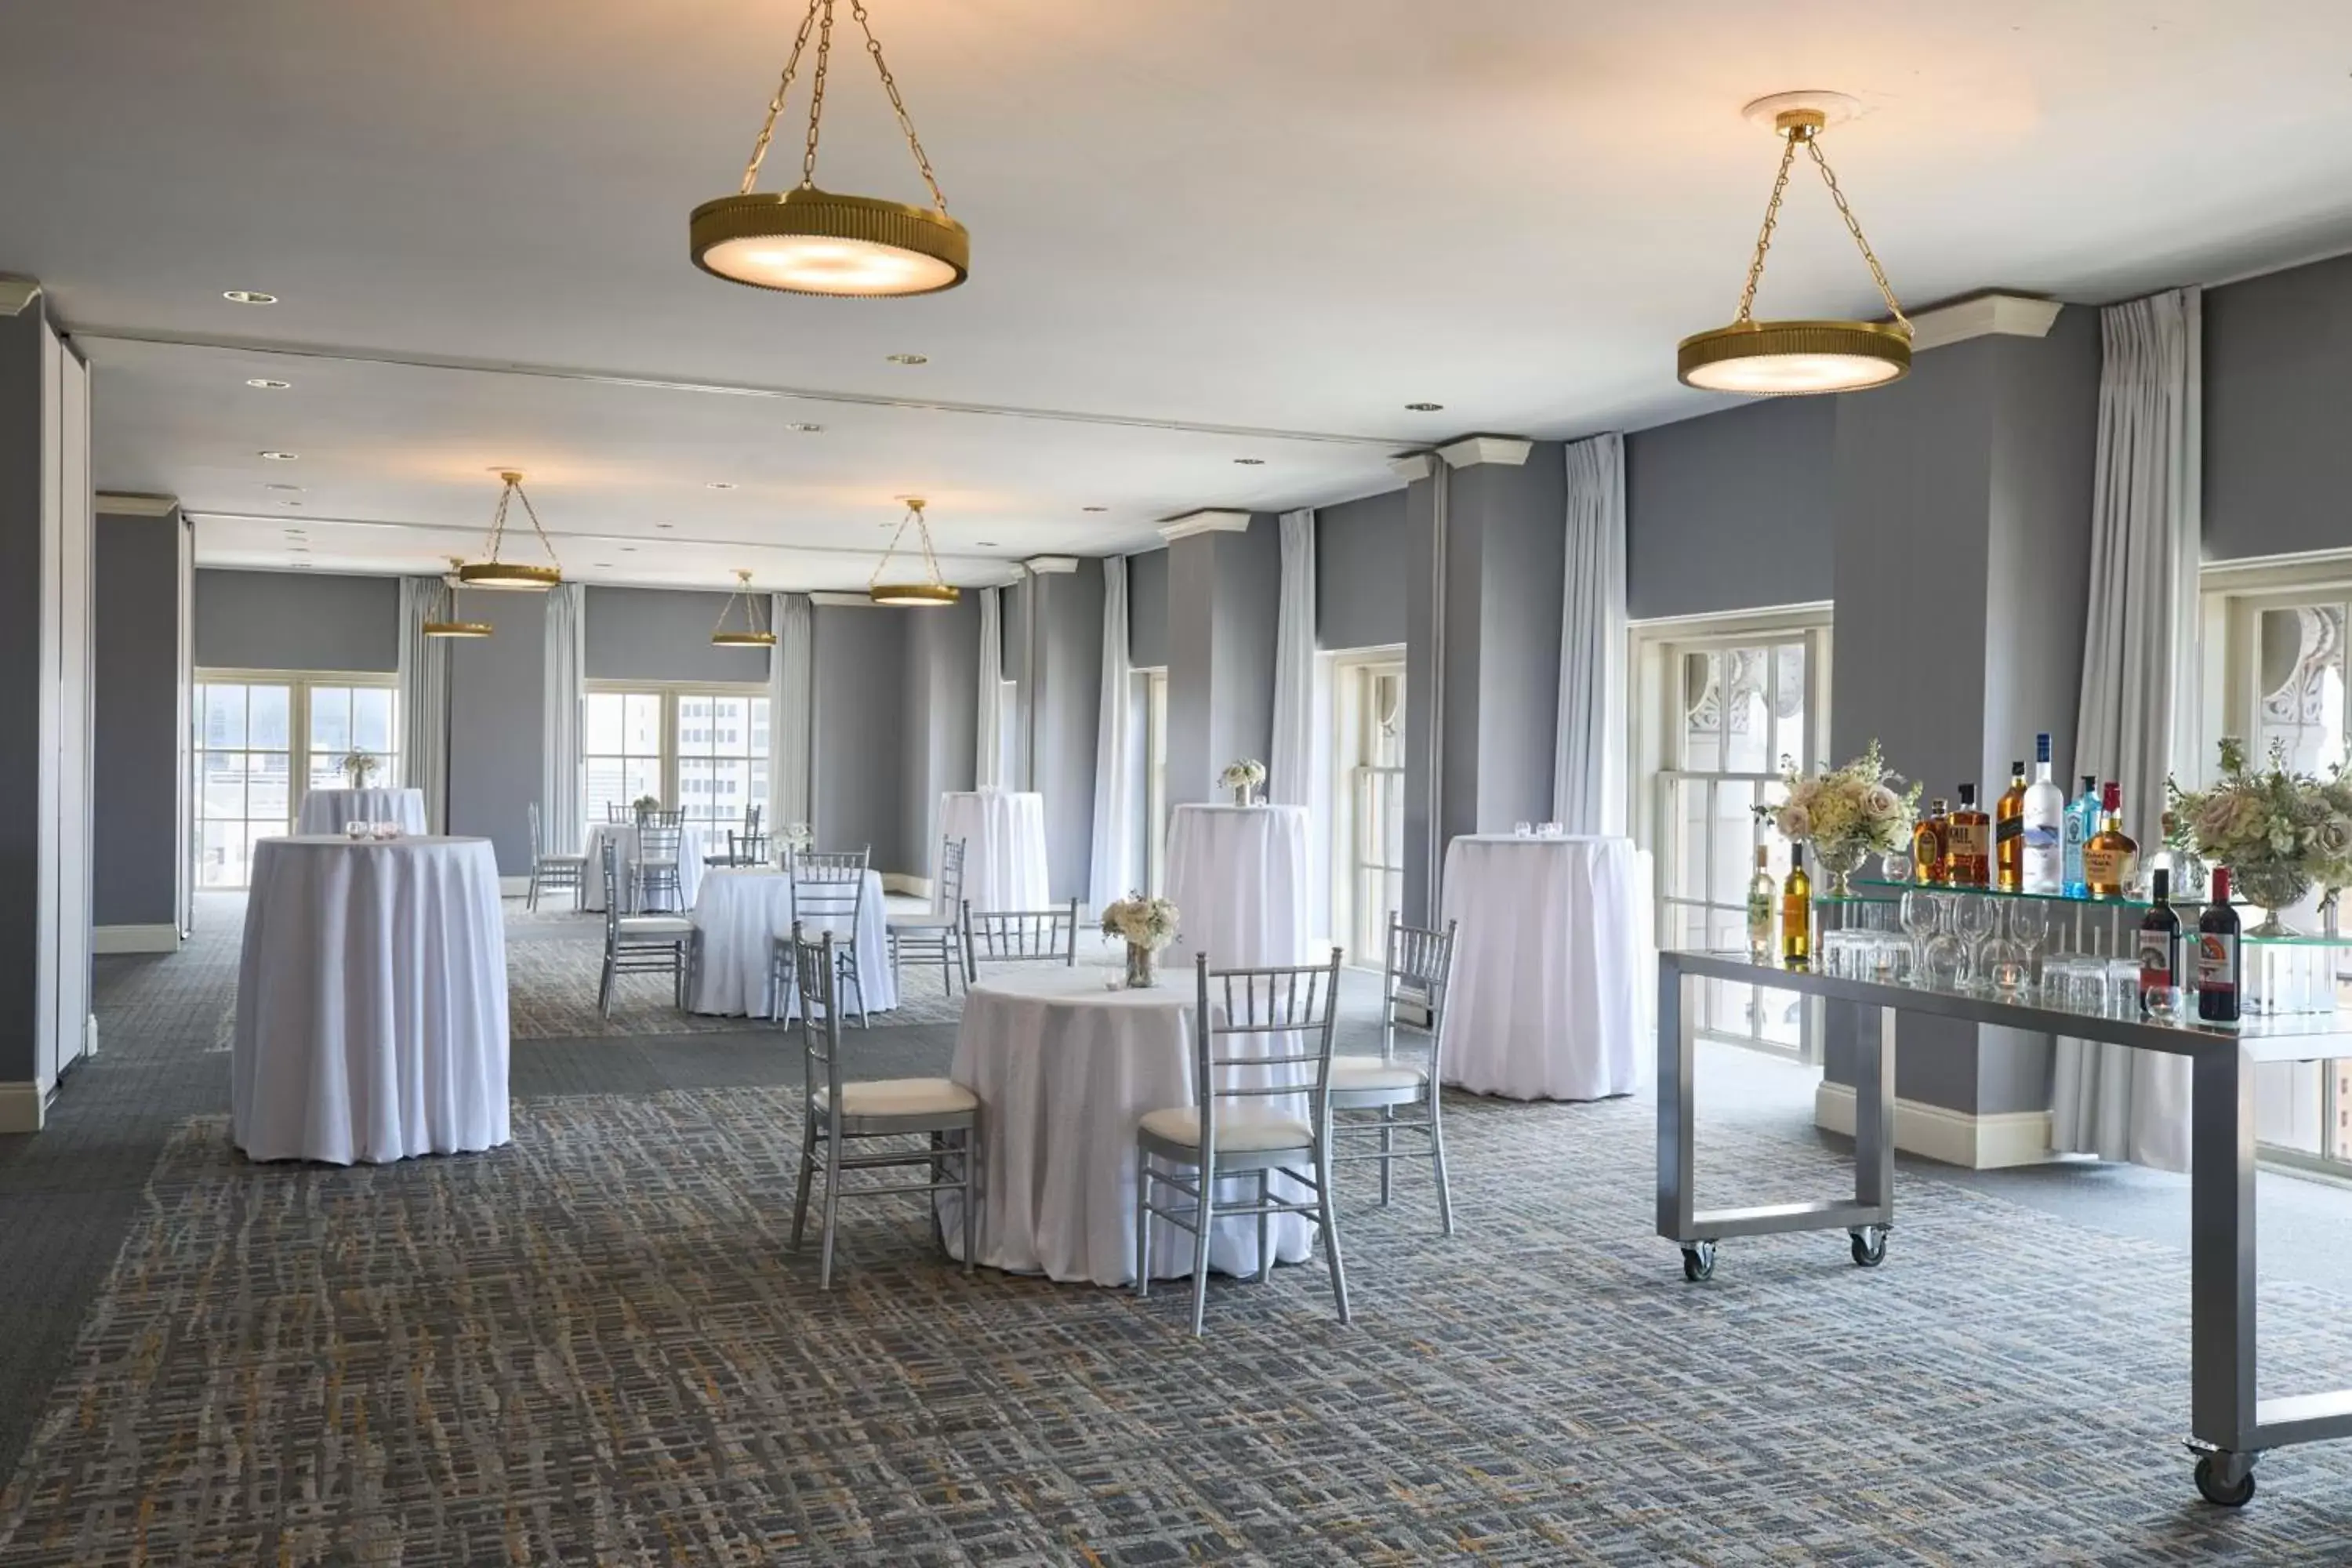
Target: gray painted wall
[(498, 698), (938, 725), (861, 674), (1225, 593), (661, 633), (1146, 609), (22, 463), (2278, 428), (1732, 510), (1359, 572), (1067, 659), (302, 620), (135, 761)]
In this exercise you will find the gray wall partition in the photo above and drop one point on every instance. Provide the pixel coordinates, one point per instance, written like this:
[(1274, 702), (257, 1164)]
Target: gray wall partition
[(1359, 572), (1224, 591), (1066, 657), (1146, 609), (136, 756), (300, 620), (497, 726), (664, 634), (860, 657), (938, 723), (2277, 462), (1730, 511)]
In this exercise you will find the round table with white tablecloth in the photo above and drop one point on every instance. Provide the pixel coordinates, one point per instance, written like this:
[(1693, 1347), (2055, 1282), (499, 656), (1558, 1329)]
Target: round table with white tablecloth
[(624, 835), (1004, 834), (740, 910), (325, 811), (1546, 966), (1065, 1068), (1237, 875), (370, 1000)]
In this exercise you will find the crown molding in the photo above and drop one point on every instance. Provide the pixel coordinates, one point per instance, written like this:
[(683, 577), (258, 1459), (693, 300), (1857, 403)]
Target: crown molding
[(1985, 316), (1412, 466), (16, 293), (845, 601), (1042, 566), (1471, 450), (1193, 522), (112, 503)]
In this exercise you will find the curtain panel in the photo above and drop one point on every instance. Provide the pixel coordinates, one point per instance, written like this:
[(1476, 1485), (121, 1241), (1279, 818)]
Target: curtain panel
[(792, 687), (1590, 740), (424, 701), (989, 744), (560, 803), (1118, 805)]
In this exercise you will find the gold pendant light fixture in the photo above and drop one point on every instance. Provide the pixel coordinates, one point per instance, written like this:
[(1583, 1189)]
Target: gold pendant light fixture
[(931, 592), (811, 241), (1792, 358), (496, 573), (449, 623), (754, 634)]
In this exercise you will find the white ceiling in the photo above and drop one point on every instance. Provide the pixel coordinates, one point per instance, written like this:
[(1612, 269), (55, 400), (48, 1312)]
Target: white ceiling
[(1203, 229)]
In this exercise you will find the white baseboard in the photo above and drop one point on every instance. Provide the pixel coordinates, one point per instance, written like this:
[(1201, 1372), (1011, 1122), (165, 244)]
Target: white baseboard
[(900, 882), (163, 938), (23, 1107), (515, 887), (1955, 1137)]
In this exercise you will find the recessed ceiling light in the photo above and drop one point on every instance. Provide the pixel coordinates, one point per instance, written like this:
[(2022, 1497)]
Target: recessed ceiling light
[(605, 564), (665, 525), (1251, 462), (720, 485), (282, 487), (290, 503), (628, 549), (1425, 407), (247, 297), (281, 457), (801, 427), (909, 359), (985, 543), (267, 385), (1094, 508)]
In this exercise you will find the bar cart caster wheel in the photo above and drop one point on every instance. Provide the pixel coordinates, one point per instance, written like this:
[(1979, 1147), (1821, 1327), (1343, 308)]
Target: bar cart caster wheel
[(1868, 1246), (2217, 1492), (1698, 1261)]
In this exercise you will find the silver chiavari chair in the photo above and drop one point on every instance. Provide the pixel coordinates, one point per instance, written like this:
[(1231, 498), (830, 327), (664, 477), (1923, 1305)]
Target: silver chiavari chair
[(658, 839), (1418, 971), (937, 934), (1018, 936), (551, 872), (644, 945), (837, 1115), (828, 891), (746, 846), (1258, 1034), (615, 812)]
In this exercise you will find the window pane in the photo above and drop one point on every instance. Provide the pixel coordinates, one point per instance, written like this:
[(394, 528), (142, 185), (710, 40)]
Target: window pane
[(641, 776), (273, 728), (1746, 675), (641, 724), (758, 726), (330, 721), (695, 787), (222, 707), (1789, 706), (1702, 709), (265, 799), (2301, 664), (220, 855), (372, 719), (603, 728), (222, 791)]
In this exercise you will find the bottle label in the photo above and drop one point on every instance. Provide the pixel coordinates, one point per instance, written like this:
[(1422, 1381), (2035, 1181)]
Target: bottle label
[(2011, 827), (1968, 841), (1760, 917), (2104, 868), (2044, 840), (2155, 961), (2217, 962)]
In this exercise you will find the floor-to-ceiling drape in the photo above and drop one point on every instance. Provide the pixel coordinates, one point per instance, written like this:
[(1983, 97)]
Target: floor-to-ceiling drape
[(561, 807), (1118, 806), (1299, 770), (792, 687), (989, 744), (424, 701), (2137, 722), (1590, 742)]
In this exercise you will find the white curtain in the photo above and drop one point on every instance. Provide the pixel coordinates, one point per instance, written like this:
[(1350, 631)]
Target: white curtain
[(1299, 770), (561, 807), (424, 701), (2137, 722), (1590, 739), (1116, 803), (792, 687), (989, 743)]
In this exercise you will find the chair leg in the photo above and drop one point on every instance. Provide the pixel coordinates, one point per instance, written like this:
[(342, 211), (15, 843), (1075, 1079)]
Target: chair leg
[(832, 1208), (530, 899), (808, 1165), (1437, 1157), (1328, 1226), (604, 986), (1387, 1149), (897, 979), (1204, 1214), (1142, 1223), (970, 1195), (1264, 1230)]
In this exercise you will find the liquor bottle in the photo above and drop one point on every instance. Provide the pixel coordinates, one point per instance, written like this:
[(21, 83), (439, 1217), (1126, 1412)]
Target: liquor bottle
[(2082, 821), (2009, 833), (2159, 951), (2110, 856), (2217, 955), (1762, 889), (2045, 812), (1929, 867), (1968, 837), (1796, 912)]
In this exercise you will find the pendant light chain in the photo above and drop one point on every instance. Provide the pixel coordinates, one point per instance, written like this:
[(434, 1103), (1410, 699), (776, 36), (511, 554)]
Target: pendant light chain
[(884, 564), (776, 104), (498, 519), (1854, 226), (1807, 136), (816, 97), (897, 104), (818, 19), (1764, 237), (532, 512)]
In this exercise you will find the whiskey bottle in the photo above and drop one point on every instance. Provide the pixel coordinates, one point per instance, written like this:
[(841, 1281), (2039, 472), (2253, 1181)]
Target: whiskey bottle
[(2009, 833), (2111, 856), (1969, 836), (1762, 889), (2045, 813), (1929, 849), (1796, 912)]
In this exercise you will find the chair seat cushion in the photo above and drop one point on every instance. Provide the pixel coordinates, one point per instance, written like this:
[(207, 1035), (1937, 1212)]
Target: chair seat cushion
[(655, 925), (1238, 1131), (927, 924), (563, 860), (902, 1096), (657, 865), (1370, 1072)]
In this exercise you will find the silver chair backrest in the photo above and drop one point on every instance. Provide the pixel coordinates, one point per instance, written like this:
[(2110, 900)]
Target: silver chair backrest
[(814, 976), (950, 879), (829, 888), (536, 847), (615, 812), (657, 842), (1420, 966), (611, 857), (1259, 1032), (675, 818), (1022, 936)]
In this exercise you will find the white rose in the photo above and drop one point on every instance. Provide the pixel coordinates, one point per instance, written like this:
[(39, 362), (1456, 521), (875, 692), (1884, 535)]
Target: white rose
[(1881, 803), (1795, 822)]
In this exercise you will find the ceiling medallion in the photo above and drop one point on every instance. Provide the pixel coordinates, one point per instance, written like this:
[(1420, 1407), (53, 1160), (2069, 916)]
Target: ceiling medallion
[(931, 592), (811, 241), (754, 634), (448, 622), (1792, 358), (516, 576)]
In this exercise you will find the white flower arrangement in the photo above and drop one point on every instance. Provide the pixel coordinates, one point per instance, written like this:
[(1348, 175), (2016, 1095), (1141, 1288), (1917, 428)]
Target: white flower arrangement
[(1147, 923), (1244, 776), (646, 804), (2271, 817), (799, 837), (1850, 810), (361, 765)]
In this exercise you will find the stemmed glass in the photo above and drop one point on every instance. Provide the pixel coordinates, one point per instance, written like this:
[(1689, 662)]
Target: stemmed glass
[(1923, 916), (2029, 924), (1975, 918)]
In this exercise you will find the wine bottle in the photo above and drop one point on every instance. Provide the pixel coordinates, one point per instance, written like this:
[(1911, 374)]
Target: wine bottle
[(1929, 867), (1968, 835), (2009, 833), (1762, 889), (2045, 813), (2217, 955), (2159, 953), (2111, 857), (2082, 821), (1796, 912)]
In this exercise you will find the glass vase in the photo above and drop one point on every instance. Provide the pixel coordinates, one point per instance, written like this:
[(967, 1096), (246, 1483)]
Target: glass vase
[(2271, 886), (1838, 863), (1241, 794), (1142, 972)]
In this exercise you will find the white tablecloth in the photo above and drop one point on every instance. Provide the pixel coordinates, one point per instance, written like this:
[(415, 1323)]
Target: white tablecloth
[(624, 834), (1004, 834), (739, 910), (1064, 1069), (1546, 966), (325, 811), (1237, 875), (370, 1000)]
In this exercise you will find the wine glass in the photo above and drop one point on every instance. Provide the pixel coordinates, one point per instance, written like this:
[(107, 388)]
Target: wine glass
[(1975, 918), (1923, 916), (2029, 923)]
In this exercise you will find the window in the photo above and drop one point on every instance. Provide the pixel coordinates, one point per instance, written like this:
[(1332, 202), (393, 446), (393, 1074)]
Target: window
[(257, 732), (702, 750), (1720, 708), (1367, 801)]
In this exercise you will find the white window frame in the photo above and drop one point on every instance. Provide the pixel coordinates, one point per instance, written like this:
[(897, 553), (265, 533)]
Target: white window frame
[(671, 693), (299, 684), (1348, 672)]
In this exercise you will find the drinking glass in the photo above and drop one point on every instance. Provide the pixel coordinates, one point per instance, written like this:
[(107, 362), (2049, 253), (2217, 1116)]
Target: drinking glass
[(1975, 918), (1923, 917), (2057, 980), (355, 829), (2119, 988), (1944, 964), (1548, 830), (1889, 960), (1836, 950), (1522, 829), (2029, 925), (2006, 969)]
